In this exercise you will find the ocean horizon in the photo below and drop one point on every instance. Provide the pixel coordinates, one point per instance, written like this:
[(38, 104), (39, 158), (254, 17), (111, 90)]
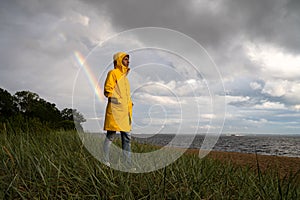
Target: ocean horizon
[(264, 144)]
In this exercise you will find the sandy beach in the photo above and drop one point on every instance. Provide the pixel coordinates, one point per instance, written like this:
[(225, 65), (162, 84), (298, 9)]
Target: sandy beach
[(284, 165)]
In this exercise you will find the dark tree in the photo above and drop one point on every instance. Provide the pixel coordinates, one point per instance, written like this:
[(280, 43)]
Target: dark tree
[(67, 114), (26, 100), (30, 107), (72, 115), (7, 105), (47, 112)]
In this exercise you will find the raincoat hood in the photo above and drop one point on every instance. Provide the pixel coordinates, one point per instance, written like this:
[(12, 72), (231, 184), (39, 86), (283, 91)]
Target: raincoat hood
[(118, 57)]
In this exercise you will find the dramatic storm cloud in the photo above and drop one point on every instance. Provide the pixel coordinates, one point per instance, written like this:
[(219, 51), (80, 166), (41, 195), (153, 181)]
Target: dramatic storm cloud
[(254, 44)]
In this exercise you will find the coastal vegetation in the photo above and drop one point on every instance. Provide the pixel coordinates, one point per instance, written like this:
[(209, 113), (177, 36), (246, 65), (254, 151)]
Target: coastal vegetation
[(27, 108), (57, 165)]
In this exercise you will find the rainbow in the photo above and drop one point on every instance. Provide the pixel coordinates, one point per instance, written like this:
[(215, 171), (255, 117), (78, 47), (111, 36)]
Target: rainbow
[(89, 74)]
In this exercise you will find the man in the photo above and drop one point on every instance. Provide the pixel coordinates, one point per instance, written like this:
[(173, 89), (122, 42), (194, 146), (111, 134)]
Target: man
[(119, 107)]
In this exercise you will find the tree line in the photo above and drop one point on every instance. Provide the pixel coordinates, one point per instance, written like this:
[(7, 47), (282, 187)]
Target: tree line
[(26, 108)]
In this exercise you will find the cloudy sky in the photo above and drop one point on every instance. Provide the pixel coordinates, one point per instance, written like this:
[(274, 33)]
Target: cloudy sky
[(203, 66)]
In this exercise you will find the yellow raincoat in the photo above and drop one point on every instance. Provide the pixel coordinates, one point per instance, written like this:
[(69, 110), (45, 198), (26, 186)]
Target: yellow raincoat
[(117, 90)]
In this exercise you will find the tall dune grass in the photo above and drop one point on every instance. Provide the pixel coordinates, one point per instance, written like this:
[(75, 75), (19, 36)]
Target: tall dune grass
[(56, 165)]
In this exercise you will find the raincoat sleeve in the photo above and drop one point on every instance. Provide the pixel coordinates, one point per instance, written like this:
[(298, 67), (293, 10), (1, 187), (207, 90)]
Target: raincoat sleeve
[(130, 105), (110, 84)]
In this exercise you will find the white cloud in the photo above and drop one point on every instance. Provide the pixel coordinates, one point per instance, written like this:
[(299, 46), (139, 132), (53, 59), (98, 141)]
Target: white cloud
[(289, 90), (276, 88), (84, 20), (255, 86), (258, 122), (297, 107), (77, 18), (207, 116), (275, 62), (192, 87), (230, 99), (147, 98), (270, 105)]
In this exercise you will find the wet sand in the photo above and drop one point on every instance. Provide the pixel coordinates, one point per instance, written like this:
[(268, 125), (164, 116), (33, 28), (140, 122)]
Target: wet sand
[(284, 165)]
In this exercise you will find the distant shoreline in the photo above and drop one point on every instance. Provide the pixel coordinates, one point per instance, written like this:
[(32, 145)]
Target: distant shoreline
[(284, 165), (263, 145)]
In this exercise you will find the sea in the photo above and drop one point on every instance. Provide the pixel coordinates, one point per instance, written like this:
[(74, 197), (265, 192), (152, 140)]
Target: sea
[(279, 145)]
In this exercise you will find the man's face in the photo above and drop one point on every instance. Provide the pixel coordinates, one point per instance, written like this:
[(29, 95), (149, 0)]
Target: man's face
[(125, 61)]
